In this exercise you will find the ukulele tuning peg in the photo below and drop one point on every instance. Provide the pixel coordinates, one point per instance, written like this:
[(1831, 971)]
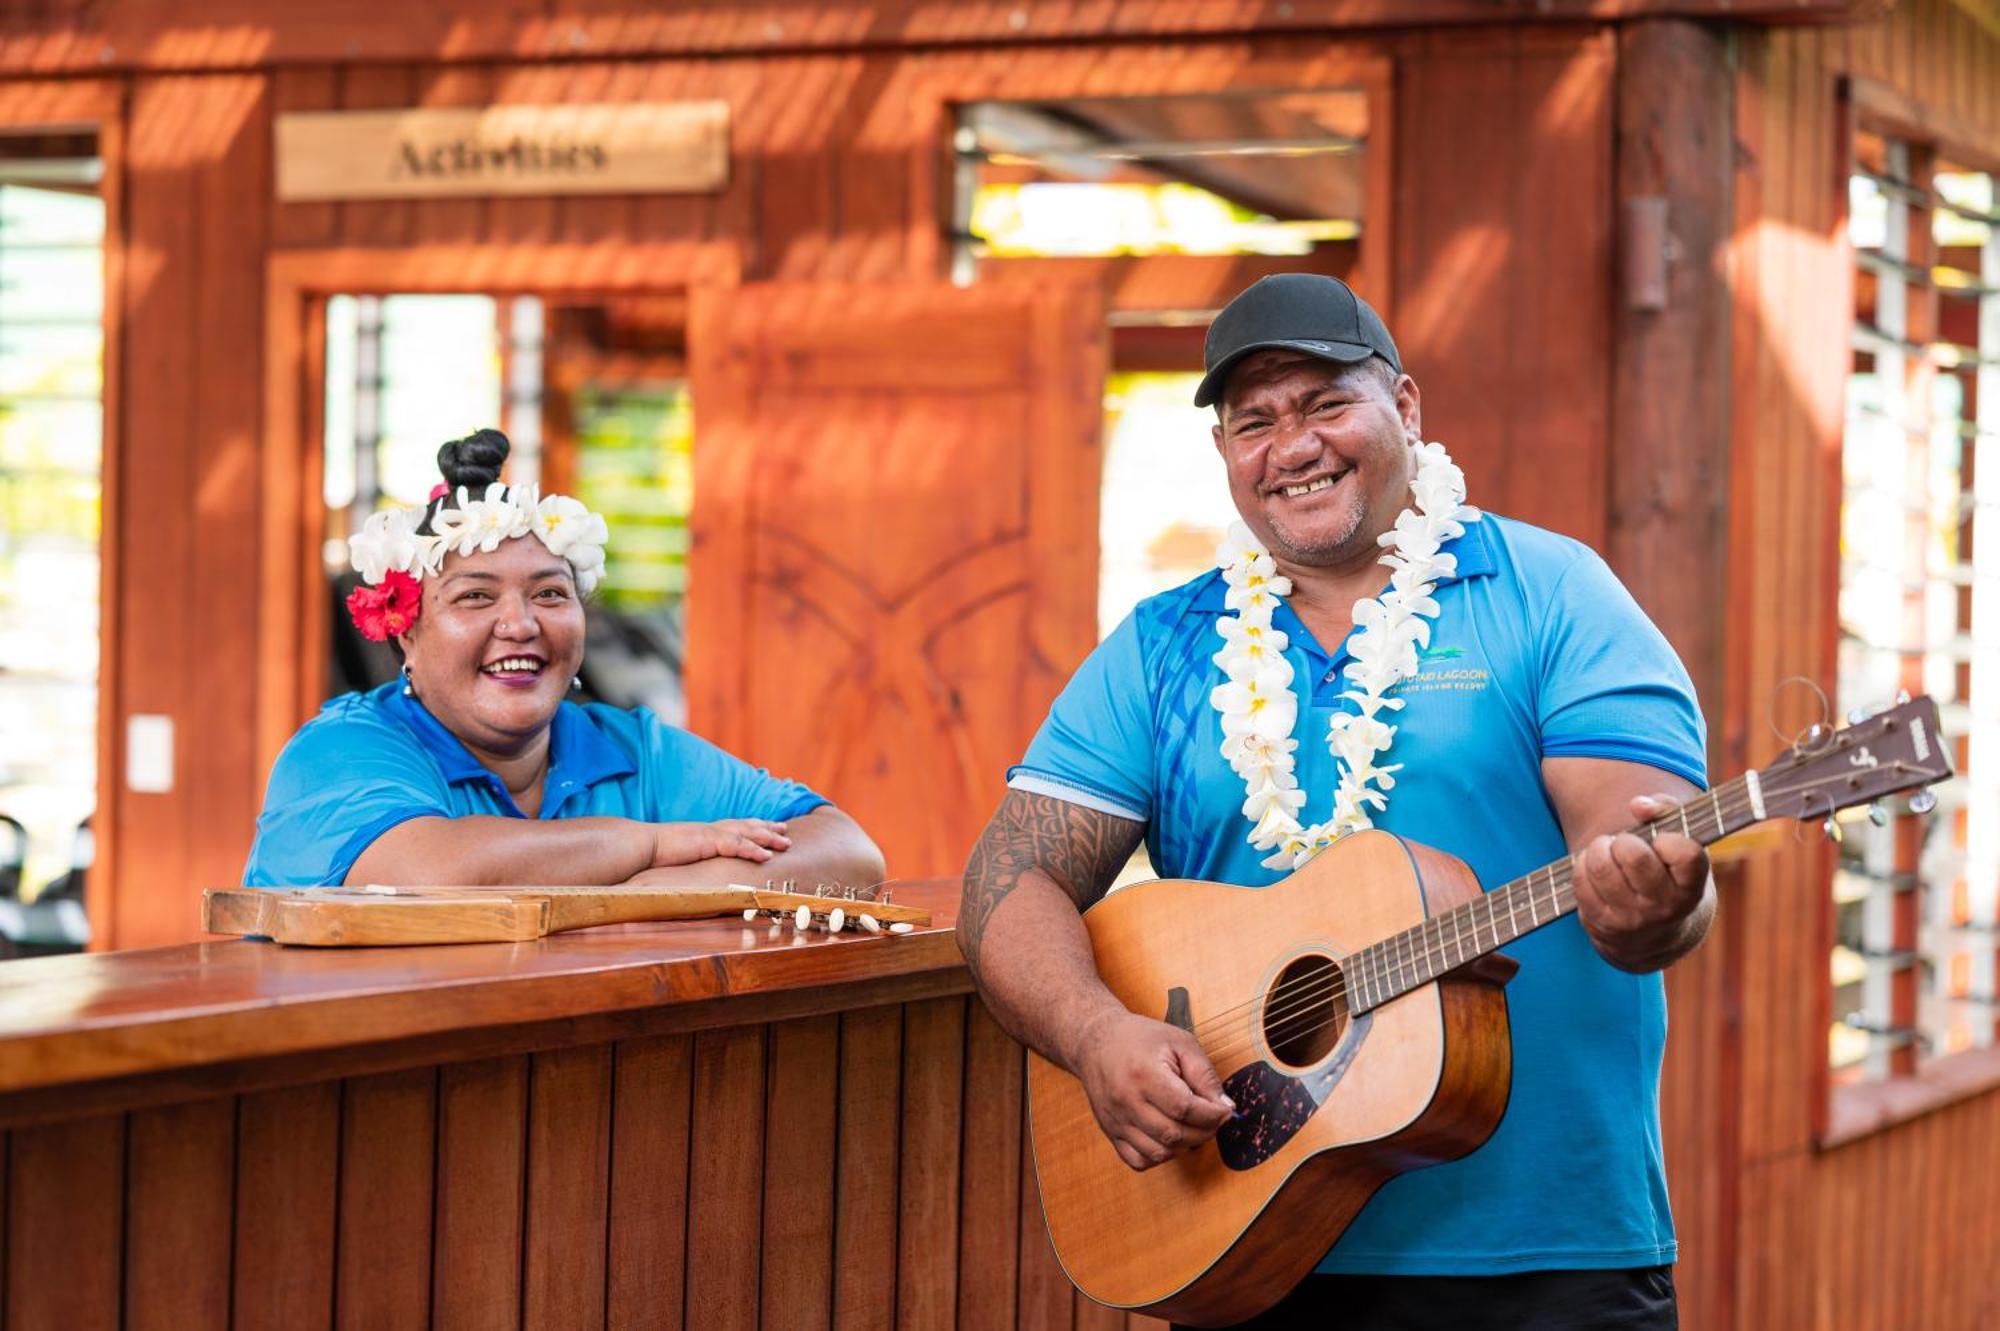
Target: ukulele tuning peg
[(836, 920), (1856, 715), (1878, 815), (1923, 801), (1902, 696), (1814, 737), (1832, 829)]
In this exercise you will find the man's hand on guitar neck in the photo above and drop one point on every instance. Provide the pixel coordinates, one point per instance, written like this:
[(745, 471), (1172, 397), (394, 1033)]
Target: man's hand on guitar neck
[(1644, 904)]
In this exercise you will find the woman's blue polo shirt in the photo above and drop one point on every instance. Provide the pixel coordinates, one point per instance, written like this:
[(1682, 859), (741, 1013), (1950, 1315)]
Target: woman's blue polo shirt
[(1537, 651), (372, 760)]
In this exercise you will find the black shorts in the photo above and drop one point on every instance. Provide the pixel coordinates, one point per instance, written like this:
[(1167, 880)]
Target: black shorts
[(1633, 1300)]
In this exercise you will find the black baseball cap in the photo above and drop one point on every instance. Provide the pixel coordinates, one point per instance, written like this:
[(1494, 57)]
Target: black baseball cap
[(1320, 316)]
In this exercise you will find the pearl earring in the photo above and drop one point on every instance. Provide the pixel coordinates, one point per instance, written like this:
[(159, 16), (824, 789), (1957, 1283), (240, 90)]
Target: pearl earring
[(409, 684)]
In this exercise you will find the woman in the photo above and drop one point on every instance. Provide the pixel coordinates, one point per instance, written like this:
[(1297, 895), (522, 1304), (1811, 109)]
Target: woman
[(474, 769)]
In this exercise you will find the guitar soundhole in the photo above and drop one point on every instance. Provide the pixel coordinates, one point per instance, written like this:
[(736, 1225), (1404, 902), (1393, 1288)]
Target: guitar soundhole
[(1305, 1012)]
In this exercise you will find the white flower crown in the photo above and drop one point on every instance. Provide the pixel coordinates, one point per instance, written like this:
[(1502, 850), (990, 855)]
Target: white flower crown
[(389, 541)]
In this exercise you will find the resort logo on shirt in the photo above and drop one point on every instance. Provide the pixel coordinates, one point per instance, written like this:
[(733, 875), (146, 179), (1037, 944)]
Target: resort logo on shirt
[(1437, 673)]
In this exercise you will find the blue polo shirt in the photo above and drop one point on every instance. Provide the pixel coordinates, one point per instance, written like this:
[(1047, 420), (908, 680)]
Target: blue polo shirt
[(1537, 651), (372, 760)]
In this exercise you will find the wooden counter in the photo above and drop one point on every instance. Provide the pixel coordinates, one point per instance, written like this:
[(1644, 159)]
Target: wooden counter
[(698, 1125)]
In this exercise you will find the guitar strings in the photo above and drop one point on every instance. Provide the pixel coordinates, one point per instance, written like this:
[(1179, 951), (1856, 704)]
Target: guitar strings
[(1290, 1005), (1306, 1000), (1425, 938), (1732, 796)]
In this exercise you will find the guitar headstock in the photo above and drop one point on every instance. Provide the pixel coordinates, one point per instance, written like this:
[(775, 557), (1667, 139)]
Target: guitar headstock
[(1893, 751)]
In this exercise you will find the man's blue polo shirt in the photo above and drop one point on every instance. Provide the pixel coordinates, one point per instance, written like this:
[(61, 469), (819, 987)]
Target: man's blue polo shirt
[(1537, 651), (372, 760)]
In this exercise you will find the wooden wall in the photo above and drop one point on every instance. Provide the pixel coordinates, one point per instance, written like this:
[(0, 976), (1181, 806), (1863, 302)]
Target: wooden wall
[(859, 1169), (1895, 1228), (836, 175)]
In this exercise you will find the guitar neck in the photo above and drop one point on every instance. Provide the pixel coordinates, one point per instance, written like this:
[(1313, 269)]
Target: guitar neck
[(1418, 955)]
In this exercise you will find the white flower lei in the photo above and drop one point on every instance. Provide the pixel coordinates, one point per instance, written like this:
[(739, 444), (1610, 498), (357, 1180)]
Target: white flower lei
[(1257, 705), (389, 541)]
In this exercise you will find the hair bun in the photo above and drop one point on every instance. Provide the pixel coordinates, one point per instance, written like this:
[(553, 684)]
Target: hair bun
[(474, 461)]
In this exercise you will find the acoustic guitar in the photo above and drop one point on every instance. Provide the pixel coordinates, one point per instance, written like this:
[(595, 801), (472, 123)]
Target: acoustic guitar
[(1356, 1015), (404, 916)]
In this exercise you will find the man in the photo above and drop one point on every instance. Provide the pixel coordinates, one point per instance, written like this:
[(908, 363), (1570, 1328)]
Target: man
[(1546, 714)]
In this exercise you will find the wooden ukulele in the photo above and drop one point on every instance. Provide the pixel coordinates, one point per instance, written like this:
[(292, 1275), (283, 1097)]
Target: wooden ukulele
[(1355, 1014), (390, 916)]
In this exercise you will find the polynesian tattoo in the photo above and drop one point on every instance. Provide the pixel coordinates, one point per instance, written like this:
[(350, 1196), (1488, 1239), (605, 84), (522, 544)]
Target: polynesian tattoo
[(1081, 850)]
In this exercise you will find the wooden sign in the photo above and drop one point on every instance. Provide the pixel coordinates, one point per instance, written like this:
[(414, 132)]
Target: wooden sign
[(598, 148)]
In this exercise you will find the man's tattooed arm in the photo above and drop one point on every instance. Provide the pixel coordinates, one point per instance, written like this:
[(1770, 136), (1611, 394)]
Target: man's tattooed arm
[(1077, 849)]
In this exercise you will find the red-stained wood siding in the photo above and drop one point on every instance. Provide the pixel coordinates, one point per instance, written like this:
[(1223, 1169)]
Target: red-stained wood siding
[(1888, 1229), (823, 1171), (836, 174)]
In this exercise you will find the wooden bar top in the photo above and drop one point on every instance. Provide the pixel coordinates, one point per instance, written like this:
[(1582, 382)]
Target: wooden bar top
[(178, 1015)]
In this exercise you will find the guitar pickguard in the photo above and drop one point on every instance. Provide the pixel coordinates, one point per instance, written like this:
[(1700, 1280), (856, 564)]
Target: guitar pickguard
[(1271, 1106)]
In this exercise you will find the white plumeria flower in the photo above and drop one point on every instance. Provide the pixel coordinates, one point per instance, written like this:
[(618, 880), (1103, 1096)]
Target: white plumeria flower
[(1240, 549), (1389, 631), (561, 522), (1261, 705), (387, 542)]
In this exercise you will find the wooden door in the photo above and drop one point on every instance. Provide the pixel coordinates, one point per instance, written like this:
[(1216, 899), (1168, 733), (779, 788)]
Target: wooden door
[(895, 539)]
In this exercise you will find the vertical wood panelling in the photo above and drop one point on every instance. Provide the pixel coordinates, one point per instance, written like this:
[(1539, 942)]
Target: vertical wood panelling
[(445, 221), (376, 221), (304, 88), (801, 1144), (866, 1181), (524, 217), (482, 1136), (1876, 1233), (725, 1179), (651, 1103), (388, 1160), (933, 1102), (287, 1151), (65, 1220), (568, 1189), (1501, 291), (989, 1230), (195, 225), (179, 1211)]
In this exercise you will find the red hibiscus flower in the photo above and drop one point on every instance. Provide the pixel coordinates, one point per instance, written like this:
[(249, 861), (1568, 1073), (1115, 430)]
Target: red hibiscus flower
[(384, 611)]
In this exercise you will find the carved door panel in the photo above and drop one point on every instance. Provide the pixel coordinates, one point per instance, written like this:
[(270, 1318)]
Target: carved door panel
[(895, 539)]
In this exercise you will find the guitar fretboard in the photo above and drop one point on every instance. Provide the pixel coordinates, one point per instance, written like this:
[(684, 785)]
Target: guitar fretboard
[(1418, 955)]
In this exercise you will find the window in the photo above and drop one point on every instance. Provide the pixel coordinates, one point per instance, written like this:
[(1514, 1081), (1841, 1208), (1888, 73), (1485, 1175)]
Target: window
[(1915, 897), (1277, 174), (51, 446), (593, 397)]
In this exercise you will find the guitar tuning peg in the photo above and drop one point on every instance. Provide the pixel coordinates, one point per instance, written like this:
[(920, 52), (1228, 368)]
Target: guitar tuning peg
[(1878, 815), (1832, 829), (1923, 801), (1902, 696), (836, 921), (1814, 737), (1856, 715)]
